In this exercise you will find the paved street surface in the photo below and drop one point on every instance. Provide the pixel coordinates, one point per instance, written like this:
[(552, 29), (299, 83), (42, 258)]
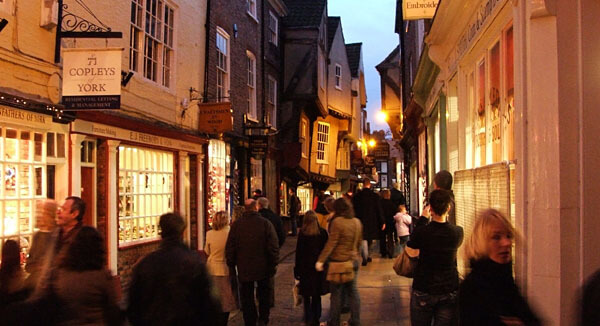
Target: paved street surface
[(384, 296)]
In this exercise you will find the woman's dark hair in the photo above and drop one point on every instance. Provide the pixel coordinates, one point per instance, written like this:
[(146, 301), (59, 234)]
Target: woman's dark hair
[(87, 251), (439, 201), (11, 262), (343, 208)]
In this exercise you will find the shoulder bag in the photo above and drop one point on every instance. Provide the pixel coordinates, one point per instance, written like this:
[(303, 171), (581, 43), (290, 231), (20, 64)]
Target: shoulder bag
[(406, 263)]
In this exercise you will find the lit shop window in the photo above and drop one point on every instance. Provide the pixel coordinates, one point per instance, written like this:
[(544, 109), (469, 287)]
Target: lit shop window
[(305, 196), (23, 174), (217, 157), (145, 192), (256, 176)]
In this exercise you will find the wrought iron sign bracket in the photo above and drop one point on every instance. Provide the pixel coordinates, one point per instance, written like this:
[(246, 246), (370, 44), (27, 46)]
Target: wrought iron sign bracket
[(72, 26)]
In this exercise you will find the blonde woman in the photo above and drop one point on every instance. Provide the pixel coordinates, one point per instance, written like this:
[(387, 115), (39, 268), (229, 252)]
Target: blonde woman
[(489, 295), (45, 216), (217, 265)]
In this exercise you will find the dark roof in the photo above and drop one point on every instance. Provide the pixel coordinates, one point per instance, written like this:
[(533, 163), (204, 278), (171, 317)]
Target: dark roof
[(332, 26), (389, 59), (304, 13), (353, 52)]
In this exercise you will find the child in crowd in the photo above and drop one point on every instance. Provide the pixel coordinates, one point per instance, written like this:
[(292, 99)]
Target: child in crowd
[(403, 223)]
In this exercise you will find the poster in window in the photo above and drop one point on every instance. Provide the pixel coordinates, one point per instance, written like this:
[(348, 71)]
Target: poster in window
[(509, 88), (494, 133), (480, 158)]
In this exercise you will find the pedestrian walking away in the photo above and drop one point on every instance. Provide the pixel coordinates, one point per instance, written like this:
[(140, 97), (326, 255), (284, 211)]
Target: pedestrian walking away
[(489, 295), (252, 247), (367, 206), (341, 252), (266, 212), (388, 238), (171, 285), (435, 285), (217, 266), (311, 240), (294, 207)]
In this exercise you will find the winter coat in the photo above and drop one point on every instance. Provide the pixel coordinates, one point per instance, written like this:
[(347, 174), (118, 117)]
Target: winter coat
[(490, 292), (341, 245), (86, 297), (252, 246), (367, 206), (215, 249), (403, 223), (171, 287), (308, 248), (397, 197), (277, 224), (389, 210)]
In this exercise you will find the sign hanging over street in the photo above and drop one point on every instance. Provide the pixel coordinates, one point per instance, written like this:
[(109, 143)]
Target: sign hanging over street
[(92, 78), (418, 9), (259, 146), (215, 117), (381, 151)]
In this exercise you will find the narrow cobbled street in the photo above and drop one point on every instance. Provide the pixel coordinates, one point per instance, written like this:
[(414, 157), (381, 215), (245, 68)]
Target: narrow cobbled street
[(384, 296)]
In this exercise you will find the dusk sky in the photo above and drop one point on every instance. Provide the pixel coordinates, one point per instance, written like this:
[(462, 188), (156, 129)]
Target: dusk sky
[(372, 23)]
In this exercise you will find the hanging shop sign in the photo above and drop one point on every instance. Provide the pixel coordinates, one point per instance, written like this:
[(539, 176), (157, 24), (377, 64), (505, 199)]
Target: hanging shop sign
[(381, 150), (419, 9), (92, 78), (215, 117), (259, 146), (370, 161)]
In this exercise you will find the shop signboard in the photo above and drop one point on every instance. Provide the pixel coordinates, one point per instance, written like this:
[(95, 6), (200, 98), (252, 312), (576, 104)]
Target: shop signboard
[(92, 78), (369, 161), (259, 146), (381, 151), (419, 9), (215, 117)]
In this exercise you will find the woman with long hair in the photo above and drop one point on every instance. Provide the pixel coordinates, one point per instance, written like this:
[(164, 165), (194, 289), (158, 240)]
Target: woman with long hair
[(217, 265), (43, 240), (342, 248), (12, 276), (84, 286), (311, 240), (489, 295)]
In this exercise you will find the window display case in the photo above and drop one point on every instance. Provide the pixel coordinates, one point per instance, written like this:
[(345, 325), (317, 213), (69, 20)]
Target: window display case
[(23, 175), (145, 186), (217, 156)]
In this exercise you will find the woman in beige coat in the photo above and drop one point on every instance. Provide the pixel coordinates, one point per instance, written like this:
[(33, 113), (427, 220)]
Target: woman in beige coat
[(217, 265)]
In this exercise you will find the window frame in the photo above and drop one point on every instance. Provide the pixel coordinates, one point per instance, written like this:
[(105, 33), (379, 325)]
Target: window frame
[(251, 9), (252, 112), (152, 48), (223, 87), (323, 130), (338, 77), (273, 30), (272, 100), (303, 136)]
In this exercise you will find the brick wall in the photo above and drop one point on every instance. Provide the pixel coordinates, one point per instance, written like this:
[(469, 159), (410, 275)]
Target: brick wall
[(225, 14)]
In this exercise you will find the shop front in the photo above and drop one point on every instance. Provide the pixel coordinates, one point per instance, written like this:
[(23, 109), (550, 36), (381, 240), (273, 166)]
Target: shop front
[(136, 176), (33, 166)]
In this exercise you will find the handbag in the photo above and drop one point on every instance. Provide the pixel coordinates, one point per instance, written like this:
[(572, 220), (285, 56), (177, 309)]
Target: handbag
[(340, 272), (406, 263)]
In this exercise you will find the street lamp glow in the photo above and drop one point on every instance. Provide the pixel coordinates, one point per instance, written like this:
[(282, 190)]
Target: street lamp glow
[(359, 144), (381, 116), (372, 143)]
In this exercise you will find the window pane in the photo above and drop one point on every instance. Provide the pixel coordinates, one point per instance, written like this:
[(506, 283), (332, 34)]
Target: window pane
[(10, 145), (60, 145), (39, 142), (50, 147)]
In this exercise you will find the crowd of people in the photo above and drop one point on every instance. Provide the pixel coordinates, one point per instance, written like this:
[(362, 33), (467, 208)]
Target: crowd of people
[(66, 282)]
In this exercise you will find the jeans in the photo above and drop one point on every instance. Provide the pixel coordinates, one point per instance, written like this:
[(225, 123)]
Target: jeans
[(364, 250), (312, 309), (264, 294), (339, 290), (294, 225), (426, 308)]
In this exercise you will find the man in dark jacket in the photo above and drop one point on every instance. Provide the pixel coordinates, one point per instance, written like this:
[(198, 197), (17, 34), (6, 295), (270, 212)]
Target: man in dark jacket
[(367, 207), (266, 212), (396, 196), (171, 285), (252, 247)]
